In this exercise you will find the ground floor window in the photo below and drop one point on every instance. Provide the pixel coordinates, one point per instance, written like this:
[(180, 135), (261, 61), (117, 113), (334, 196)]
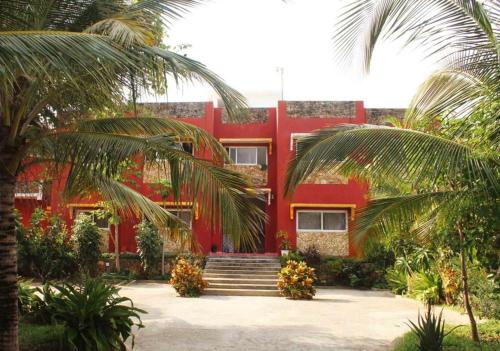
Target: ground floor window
[(184, 215), (102, 221), (322, 221)]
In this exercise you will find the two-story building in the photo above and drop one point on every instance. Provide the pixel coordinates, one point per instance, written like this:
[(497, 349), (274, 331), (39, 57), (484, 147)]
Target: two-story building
[(321, 212)]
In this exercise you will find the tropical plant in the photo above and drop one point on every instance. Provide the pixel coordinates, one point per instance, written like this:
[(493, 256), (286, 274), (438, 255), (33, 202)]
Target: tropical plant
[(68, 69), (430, 331), (187, 279), (397, 280), (87, 242), (25, 296), (149, 246), (284, 239), (440, 179), (425, 286), (296, 281), (291, 256), (94, 316), (311, 256)]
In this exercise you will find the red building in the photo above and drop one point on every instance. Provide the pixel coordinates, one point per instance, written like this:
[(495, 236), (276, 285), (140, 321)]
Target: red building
[(321, 212)]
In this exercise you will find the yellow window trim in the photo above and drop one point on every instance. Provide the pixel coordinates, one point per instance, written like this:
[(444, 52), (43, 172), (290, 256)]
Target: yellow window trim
[(293, 206), (268, 141)]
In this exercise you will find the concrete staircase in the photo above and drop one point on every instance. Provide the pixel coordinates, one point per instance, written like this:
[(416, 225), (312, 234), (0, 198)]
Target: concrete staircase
[(242, 275)]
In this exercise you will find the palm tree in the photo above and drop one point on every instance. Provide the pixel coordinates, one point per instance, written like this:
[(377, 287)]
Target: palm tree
[(64, 62), (448, 178)]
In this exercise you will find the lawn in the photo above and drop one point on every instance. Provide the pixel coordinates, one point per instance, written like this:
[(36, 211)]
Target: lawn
[(459, 339)]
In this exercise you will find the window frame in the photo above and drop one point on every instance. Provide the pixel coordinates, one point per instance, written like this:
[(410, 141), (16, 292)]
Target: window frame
[(295, 138), (175, 209), (256, 148), (322, 221), (91, 212)]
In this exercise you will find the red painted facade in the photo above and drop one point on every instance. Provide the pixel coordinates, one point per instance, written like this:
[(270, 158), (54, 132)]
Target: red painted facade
[(278, 128)]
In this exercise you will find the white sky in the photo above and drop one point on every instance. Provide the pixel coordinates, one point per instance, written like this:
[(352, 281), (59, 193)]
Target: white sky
[(244, 41)]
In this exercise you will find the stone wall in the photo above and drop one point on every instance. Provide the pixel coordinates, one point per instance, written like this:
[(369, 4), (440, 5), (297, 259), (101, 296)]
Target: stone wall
[(376, 115), (252, 115), (328, 244), (255, 174), (176, 109), (322, 109), (325, 177)]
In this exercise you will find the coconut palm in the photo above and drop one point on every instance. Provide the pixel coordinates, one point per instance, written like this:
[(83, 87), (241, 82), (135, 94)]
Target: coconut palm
[(447, 178), (63, 63)]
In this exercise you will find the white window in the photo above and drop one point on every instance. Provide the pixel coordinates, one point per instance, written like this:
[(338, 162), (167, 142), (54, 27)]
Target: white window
[(102, 222), (295, 138), (322, 221), (183, 215), (248, 155)]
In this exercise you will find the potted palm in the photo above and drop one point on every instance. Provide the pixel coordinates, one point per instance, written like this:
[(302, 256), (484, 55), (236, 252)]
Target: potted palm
[(282, 236)]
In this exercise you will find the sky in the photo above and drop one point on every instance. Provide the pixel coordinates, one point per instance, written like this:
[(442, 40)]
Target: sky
[(245, 41)]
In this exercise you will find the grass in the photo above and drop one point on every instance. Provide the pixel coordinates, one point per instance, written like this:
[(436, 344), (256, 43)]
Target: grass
[(36, 337), (459, 339)]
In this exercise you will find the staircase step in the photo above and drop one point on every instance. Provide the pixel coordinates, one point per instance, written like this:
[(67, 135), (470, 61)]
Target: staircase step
[(244, 261), (242, 286), (217, 280), (243, 267), (252, 275), (241, 292), (241, 271)]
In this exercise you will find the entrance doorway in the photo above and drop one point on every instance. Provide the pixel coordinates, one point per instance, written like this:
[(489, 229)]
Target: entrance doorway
[(229, 246)]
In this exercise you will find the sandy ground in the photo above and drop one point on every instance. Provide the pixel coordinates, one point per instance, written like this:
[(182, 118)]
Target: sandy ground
[(337, 319)]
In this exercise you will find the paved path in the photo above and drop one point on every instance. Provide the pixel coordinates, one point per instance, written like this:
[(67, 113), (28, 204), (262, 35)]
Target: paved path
[(337, 319)]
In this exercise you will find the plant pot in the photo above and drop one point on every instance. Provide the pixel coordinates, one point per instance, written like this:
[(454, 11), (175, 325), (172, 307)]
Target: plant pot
[(284, 252)]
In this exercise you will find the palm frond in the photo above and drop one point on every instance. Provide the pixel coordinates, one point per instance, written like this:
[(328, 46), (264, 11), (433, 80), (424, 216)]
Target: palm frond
[(390, 153)]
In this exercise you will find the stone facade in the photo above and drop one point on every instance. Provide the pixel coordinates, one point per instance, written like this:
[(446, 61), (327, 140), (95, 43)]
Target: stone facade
[(328, 244), (176, 109), (376, 115), (252, 115), (322, 109), (256, 175), (325, 177)]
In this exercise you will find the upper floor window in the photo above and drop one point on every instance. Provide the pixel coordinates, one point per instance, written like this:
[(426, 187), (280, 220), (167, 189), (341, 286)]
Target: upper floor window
[(248, 155), (322, 221), (183, 215), (295, 139)]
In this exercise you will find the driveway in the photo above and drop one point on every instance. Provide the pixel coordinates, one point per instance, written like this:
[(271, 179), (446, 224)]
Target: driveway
[(337, 319)]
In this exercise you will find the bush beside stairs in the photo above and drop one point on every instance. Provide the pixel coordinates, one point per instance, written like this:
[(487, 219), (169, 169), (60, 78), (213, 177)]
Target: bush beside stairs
[(242, 275)]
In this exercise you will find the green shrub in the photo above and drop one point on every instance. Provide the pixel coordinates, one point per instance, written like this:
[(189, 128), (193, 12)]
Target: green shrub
[(397, 281), (296, 281), (93, 315), (311, 256), (484, 293), (36, 337), (25, 296), (425, 286), (458, 340), (87, 242), (187, 279), (47, 252), (149, 246), (291, 256)]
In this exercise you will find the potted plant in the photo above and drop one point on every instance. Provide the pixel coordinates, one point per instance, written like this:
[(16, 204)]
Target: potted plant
[(282, 236)]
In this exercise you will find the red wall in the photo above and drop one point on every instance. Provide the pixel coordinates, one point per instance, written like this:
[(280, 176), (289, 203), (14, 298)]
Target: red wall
[(279, 127)]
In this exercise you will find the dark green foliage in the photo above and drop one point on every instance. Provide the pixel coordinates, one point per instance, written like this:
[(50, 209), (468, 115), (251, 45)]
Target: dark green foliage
[(37, 337), (25, 297), (311, 256), (485, 293), (291, 256), (149, 246), (87, 241), (397, 280), (22, 247), (93, 315), (44, 248), (429, 331)]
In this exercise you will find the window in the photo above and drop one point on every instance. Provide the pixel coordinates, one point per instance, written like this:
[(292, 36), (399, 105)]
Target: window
[(102, 222), (295, 139), (323, 221), (248, 155), (183, 215)]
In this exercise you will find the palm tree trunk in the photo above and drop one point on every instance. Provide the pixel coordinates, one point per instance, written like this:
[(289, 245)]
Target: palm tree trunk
[(8, 263), (465, 287)]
